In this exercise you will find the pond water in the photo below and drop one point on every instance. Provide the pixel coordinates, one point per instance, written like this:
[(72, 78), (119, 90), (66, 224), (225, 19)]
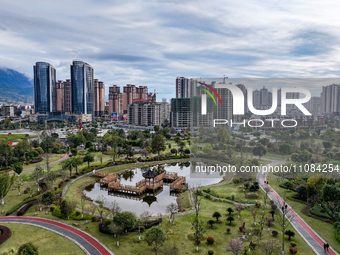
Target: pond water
[(157, 201)]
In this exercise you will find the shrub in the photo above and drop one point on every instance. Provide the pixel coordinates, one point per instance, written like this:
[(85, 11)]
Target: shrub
[(292, 250), (210, 240), (48, 198), (6, 234), (67, 180), (94, 218), (257, 205), (142, 229), (197, 241), (275, 233), (228, 230), (210, 252), (292, 244), (336, 224), (240, 228), (28, 249)]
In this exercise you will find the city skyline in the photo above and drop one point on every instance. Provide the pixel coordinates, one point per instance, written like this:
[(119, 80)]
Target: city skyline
[(151, 43)]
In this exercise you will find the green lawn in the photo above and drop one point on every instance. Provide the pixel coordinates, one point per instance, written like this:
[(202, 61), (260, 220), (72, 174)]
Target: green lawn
[(51, 160), (324, 229), (182, 233), (13, 137), (47, 242), (226, 191)]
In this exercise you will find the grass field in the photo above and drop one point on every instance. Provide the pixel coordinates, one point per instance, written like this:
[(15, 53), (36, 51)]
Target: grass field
[(182, 234), (48, 242), (324, 229), (13, 137)]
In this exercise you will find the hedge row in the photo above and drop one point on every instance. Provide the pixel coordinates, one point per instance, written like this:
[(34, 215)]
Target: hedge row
[(43, 189), (5, 234), (27, 206), (17, 206)]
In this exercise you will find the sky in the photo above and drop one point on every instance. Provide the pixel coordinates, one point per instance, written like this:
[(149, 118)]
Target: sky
[(150, 43)]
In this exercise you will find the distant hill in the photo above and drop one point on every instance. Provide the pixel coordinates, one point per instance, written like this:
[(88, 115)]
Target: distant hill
[(15, 86)]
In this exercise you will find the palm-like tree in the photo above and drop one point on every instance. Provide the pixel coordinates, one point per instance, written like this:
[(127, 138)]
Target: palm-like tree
[(77, 161), (68, 164)]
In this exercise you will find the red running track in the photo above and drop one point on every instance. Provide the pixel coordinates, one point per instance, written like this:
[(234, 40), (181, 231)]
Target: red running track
[(298, 218), (82, 234)]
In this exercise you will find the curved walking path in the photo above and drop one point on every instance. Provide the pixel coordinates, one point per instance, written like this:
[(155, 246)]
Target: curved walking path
[(307, 233), (51, 164), (89, 244)]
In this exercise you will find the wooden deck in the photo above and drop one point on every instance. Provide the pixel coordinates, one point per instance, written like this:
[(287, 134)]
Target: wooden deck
[(110, 181)]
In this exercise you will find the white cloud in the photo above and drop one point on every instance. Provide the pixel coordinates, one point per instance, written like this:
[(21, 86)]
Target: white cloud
[(151, 42)]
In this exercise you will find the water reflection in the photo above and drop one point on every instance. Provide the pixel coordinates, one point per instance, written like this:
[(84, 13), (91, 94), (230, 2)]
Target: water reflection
[(156, 201)]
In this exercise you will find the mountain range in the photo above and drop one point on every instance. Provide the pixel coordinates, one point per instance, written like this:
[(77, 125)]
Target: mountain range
[(15, 86)]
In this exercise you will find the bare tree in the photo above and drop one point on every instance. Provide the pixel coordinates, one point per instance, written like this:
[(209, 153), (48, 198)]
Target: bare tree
[(284, 222), (272, 247), (172, 208), (114, 208), (101, 200), (83, 202), (235, 246)]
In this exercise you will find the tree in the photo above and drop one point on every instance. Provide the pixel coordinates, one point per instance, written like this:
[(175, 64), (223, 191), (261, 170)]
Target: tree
[(230, 210), (6, 182), (181, 146), (198, 226), (327, 144), (83, 202), (100, 156), (88, 158), (285, 148), (211, 222), (6, 151), (126, 220), (290, 234), (216, 215), (259, 150), (76, 161), (18, 168), (114, 209), (174, 151), (28, 249), (177, 139), (65, 208), (155, 237), (235, 246), (37, 174), (68, 164), (172, 208), (207, 148), (156, 128), (264, 141), (230, 219), (158, 144), (272, 247)]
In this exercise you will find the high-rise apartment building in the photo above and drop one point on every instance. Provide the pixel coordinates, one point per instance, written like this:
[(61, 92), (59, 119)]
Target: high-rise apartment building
[(82, 88), (186, 87), (99, 98), (44, 88), (148, 113), (119, 102), (60, 105), (313, 105), (181, 114), (330, 99), (115, 100), (67, 96)]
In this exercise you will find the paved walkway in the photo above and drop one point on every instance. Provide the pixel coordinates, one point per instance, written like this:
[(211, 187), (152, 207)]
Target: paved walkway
[(89, 244), (51, 164), (307, 233)]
